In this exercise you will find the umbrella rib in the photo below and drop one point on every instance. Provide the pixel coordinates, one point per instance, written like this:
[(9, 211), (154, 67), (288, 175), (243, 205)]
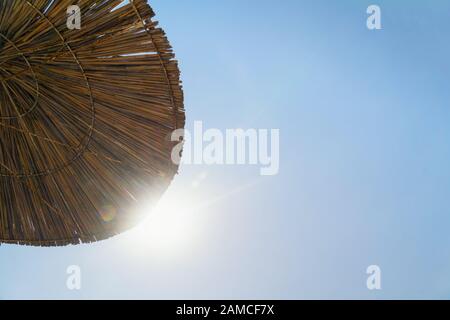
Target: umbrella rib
[(19, 115), (7, 168), (55, 142), (20, 120)]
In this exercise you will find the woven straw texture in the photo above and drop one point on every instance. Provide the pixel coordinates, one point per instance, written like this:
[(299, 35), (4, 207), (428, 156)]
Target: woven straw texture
[(85, 119)]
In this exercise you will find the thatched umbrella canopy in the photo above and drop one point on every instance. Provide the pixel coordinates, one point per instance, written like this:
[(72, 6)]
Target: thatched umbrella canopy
[(85, 119)]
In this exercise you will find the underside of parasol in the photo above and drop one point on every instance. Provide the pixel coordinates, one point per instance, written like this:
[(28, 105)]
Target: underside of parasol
[(86, 117)]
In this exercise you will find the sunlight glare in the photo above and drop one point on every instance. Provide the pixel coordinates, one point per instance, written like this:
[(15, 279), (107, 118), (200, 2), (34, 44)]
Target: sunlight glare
[(169, 230)]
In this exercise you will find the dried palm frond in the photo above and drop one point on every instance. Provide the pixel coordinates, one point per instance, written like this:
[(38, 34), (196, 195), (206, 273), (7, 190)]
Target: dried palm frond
[(85, 119)]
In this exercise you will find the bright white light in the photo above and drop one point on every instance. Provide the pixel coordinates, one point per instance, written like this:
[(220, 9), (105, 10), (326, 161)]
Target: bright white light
[(169, 230), (177, 226)]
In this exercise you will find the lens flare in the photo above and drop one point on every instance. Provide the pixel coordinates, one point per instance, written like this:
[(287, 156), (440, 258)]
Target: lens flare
[(108, 213)]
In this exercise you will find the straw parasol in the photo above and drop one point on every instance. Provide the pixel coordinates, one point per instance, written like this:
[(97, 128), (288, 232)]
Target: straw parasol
[(85, 119)]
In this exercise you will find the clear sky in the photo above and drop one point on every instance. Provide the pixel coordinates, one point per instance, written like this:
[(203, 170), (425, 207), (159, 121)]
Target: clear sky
[(365, 162)]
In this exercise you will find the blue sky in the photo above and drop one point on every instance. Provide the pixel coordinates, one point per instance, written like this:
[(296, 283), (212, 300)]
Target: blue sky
[(365, 175)]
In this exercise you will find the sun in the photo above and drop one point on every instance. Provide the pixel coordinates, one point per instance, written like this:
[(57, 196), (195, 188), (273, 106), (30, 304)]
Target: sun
[(169, 229)]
